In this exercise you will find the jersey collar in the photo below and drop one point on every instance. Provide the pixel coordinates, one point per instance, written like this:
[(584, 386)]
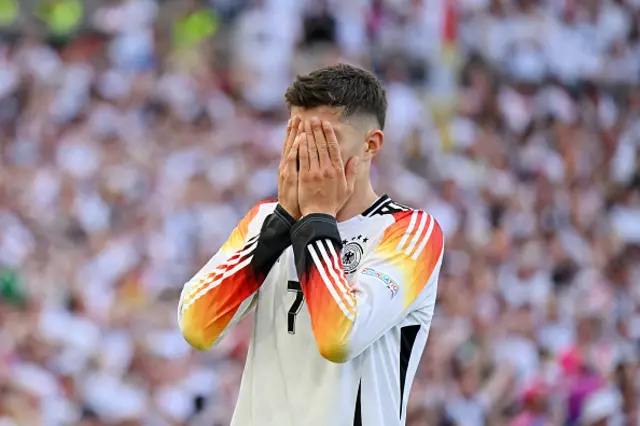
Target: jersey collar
[(373, 208)]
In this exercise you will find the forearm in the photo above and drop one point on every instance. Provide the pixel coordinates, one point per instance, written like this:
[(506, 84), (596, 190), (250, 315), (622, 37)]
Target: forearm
[(220, 295), (330, 299)]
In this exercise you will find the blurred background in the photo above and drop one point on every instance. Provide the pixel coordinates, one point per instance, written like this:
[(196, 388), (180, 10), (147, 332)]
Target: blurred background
[(134, 134)]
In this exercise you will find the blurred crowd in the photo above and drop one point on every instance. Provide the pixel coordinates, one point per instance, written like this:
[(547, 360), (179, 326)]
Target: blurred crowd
[(134, 134)]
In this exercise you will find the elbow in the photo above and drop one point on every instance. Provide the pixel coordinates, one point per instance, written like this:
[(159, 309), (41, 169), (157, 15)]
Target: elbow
[(194, 335), (194, 338), (335, 352), (336, 346)]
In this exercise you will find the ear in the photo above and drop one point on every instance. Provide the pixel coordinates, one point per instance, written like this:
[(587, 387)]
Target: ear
[(373, 143)]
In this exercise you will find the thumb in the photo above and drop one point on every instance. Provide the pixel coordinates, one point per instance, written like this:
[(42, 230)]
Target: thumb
[(351, 173)]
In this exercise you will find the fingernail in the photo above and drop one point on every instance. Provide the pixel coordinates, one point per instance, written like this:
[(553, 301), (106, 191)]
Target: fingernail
[(301, 126), (289, 123), (326, 125), (315, 121)]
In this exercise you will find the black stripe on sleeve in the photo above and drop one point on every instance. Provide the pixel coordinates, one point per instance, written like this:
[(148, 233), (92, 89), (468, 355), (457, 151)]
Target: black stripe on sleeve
[(357, 417), (408, 336)]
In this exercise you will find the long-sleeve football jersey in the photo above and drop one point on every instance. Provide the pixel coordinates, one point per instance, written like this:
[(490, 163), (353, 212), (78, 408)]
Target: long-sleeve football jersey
[(342, 312)]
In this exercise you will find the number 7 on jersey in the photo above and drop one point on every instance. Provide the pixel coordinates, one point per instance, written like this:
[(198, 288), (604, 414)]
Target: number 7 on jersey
[(294, 286)]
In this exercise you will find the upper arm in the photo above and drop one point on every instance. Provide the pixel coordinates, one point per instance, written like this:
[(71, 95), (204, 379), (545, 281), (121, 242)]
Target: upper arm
[(400, 275)]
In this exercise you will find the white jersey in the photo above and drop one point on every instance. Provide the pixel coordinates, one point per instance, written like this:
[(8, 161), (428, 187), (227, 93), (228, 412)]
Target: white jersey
[(342, 312)]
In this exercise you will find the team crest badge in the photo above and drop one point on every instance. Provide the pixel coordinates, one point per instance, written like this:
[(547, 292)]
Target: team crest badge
[(351, 256)]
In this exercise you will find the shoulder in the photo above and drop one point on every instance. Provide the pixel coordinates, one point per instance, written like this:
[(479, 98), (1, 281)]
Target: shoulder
[(414, 233), (411, 248)]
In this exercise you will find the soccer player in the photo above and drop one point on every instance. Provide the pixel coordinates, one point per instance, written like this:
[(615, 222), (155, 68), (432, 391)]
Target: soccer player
[(343, 282)]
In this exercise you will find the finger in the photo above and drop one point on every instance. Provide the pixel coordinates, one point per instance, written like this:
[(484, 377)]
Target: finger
[(292, 131), (303, 152), (311, 146), (299, 130), (351, 173), (292, 158), (321, 143), (285, 147), (332, 145)]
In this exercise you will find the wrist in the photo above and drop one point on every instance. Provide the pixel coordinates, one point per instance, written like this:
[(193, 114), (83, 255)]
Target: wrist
[(313, 227), (326, 212), (291, 214), (285, 215)]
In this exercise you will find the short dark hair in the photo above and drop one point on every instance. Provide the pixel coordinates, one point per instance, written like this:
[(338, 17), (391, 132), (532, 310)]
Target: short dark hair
[(344, 86)]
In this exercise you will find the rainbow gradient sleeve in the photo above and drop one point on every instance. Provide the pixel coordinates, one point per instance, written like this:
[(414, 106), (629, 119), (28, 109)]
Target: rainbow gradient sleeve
[(222, 292), (401, 273)]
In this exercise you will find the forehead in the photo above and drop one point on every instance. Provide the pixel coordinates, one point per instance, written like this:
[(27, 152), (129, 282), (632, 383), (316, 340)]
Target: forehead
[(324, 113)]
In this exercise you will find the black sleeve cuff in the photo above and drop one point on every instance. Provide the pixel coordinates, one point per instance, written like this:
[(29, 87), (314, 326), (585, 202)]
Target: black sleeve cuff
[(312, 228), (284, 215), (273, 240)]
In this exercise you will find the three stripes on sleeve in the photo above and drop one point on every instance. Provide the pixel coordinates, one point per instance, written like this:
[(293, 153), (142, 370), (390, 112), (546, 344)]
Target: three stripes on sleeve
[(329, 266), (411, 247)]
